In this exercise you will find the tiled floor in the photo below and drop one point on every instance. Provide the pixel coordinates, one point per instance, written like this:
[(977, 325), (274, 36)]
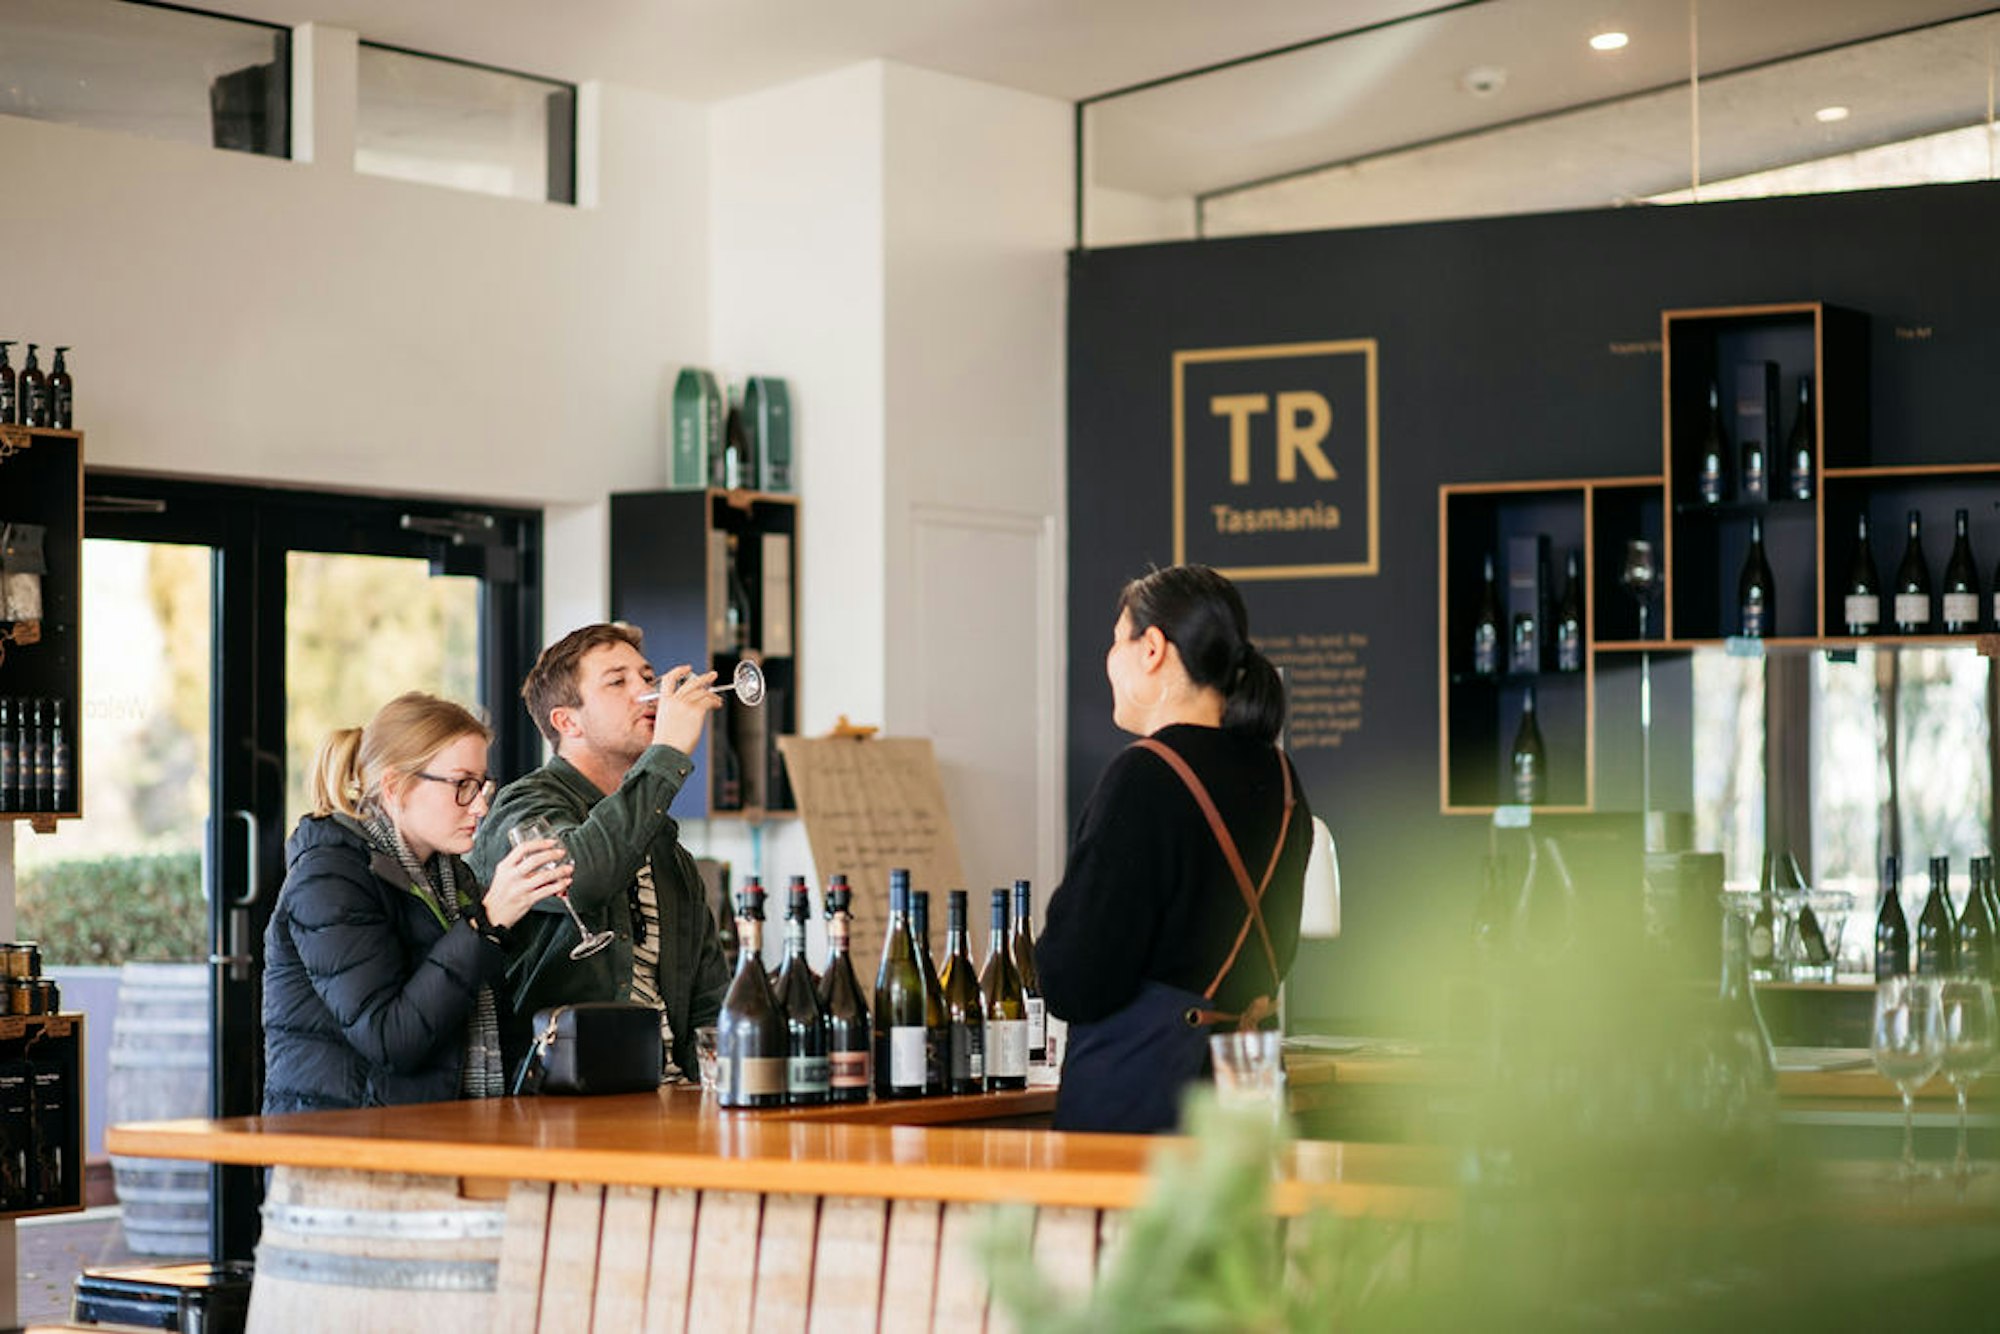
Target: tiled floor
[(53, 1250)]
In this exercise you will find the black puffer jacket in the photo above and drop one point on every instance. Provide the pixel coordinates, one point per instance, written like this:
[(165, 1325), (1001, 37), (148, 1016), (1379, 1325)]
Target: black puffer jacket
[(366, 993)]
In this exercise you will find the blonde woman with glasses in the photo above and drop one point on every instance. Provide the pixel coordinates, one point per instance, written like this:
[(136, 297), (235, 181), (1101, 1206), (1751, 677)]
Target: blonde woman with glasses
[(384, 950)]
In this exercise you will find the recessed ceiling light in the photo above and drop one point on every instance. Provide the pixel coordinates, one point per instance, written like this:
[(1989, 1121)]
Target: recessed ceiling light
[(1828, 115), (1608, 41)]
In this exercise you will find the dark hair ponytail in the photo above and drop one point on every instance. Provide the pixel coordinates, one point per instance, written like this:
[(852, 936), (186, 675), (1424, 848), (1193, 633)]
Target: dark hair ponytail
[(1201, 614)]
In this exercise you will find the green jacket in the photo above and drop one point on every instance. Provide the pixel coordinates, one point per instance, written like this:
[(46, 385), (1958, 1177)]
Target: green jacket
[(608, 835)]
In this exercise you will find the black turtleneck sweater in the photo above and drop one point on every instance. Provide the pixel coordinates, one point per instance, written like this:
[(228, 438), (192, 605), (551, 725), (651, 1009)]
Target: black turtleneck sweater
[(1147, 894)]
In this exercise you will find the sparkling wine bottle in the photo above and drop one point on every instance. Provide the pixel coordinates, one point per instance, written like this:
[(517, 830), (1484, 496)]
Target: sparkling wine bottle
[(1861, 606), (1712, 472), (752, 1044), (1976, 926), (1006, 1010), (809, 1035), (901, 1030), (1913, 584), (1756, 595), (1892, 928), (937, 1033), (1021, 942), (1937, 935), (964, 1006), (1527, 761), (1961, 582), (1569, 618), (1799, 469), (850, 1038), (1486, 625)]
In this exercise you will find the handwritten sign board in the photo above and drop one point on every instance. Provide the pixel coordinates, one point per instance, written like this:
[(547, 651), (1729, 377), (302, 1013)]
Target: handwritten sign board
[(870, 805)]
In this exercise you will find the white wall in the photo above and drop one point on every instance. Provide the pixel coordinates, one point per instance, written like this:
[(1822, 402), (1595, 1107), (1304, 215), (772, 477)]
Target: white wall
[(892, 242), (250, 318)]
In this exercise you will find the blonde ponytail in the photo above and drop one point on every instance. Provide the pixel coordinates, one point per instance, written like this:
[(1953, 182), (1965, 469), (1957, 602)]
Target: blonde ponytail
[(336, 773), (402, 737)]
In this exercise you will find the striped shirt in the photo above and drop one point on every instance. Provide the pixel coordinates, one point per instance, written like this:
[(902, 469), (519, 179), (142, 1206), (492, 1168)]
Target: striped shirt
[(646, 957)]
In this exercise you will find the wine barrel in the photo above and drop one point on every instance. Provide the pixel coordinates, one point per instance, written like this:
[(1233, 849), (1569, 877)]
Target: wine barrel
[(375, 1251), (159, 1071)]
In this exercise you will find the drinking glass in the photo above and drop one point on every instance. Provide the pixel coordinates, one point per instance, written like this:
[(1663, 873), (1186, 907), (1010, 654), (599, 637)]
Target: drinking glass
[(537, 827), (1906, 1040), (1249, 1069), (747, 681), (1966, 1022), (707, 1057), (1640, 574)]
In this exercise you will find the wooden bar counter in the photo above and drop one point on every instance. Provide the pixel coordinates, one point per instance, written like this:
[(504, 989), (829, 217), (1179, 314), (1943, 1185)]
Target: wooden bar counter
[(660, 1211)]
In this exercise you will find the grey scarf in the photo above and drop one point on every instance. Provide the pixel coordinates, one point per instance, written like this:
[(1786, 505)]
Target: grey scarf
[(483, 1075)]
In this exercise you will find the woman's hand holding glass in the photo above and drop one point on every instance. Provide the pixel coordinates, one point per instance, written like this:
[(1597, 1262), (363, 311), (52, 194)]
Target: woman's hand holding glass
[(531, 872), (536, 831)]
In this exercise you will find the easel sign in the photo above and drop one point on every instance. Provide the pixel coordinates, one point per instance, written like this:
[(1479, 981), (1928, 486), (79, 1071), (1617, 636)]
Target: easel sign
[(871, 804)]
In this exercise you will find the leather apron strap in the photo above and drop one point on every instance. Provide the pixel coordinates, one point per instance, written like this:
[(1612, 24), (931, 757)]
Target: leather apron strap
[(1253, 896)]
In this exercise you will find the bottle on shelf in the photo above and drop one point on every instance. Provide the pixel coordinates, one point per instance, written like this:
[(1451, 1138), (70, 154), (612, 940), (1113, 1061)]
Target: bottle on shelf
[(1799, 469), (808, 1033), (1753, 477), (850, 1037), (1569, 617), (62, 782), (752, 1044), (1960, 603), (937, 1033), (736, 609), (1913, 584), (62, 394), (32, 391), (9, 763), (964, 1006), (1006, 1008), (1486, 625), (10, 402), (34, 759), (1712, 472), (1976, 927), (1937, 935), (1892, 928), (1528, 762), (1756, 594), (1861, 605), (901, 1003), (1021, 942)]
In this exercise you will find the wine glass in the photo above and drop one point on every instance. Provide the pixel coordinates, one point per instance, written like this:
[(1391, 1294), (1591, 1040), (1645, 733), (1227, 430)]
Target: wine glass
[(1829, 909), (1966, 1024), (1640, 574), (533, 829), (747, 681), (1906, 1040)]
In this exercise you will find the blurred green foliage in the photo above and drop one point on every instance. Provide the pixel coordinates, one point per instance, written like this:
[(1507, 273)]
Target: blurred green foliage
[(111, 910)]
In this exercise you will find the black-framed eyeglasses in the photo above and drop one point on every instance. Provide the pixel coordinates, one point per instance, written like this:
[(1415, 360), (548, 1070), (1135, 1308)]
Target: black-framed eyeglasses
[(464, 790)]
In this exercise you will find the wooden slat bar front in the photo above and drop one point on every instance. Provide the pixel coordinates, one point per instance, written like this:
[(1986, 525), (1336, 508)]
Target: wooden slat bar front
[(661, 1211)]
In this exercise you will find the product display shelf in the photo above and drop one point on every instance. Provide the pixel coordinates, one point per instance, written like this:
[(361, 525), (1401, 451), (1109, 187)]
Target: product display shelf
[(41, 482)]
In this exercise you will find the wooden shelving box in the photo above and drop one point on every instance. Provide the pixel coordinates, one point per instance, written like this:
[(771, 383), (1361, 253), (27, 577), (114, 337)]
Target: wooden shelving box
[(41, 482)]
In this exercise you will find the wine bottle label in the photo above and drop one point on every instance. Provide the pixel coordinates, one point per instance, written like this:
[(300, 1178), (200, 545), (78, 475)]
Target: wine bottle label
[(1961, 608), (1912, 609), (1760, 942), (1569, 649), (1007, 1048), (745, 1077), (1486, 650), (968, 1059), (1038, 1025), (807, 1075), (907, 1049), (1753, 479), (1864, 609), (848, 1070), (1754, 619), (1710, 485)]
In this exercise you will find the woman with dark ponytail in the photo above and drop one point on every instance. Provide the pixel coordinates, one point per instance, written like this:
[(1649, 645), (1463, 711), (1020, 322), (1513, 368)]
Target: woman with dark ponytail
[(1178, 912)]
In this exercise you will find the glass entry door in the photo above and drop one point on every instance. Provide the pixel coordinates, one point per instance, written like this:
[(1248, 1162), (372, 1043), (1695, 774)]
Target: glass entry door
[(269, 618)]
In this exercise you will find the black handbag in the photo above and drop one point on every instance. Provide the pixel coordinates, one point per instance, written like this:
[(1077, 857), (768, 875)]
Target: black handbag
[(594, 1047)]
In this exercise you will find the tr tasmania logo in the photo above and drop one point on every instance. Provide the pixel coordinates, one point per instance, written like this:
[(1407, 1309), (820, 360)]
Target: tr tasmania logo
[(1275, 459)]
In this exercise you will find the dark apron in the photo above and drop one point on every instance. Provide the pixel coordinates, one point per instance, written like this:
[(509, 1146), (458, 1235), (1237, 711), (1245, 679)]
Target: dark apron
[(1126, 1073)]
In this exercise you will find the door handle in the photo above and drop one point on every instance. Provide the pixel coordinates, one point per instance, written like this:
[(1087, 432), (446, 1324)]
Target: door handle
[(239, 957)]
